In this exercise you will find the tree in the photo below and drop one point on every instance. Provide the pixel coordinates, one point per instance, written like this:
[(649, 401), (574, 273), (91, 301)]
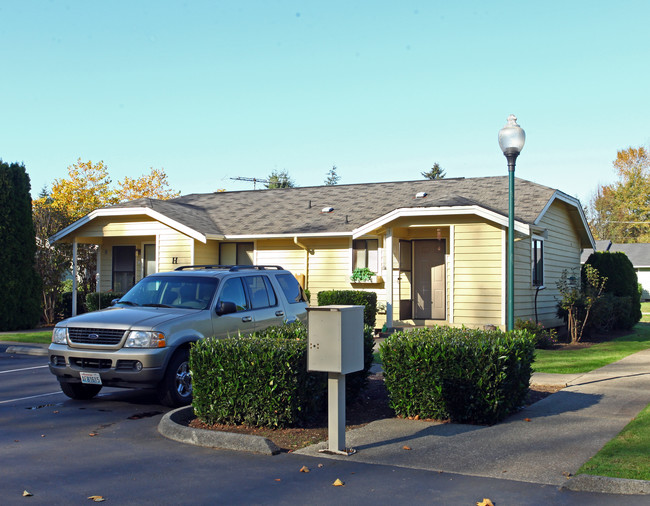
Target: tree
[(52, 260), (153, 185), (332, 177), (579, 298), (435, 172), (89, 187), (19, 282), (280, 180), (620, 211)]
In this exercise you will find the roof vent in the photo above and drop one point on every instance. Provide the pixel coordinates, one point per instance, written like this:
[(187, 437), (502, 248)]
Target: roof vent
[(327, 210), (420, 195)]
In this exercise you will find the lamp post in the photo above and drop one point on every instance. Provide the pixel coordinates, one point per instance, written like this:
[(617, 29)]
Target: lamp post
[(511, 141)]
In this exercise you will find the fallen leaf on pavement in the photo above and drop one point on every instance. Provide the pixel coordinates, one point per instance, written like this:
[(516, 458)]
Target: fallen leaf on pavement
[(304, 469), (406, 448), (93, 434), (527, 420), (97, 498), (338, 483), (485, 502), (27, 494)]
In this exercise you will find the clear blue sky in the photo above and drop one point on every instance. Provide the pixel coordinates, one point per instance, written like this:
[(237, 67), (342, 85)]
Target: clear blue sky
[(213, 90)]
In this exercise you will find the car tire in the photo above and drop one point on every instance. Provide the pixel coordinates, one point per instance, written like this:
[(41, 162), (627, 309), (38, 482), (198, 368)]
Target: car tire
[(176, 387), (79, 391)]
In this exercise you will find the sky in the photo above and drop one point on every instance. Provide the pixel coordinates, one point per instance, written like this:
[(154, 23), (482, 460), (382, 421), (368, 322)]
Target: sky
[(215, 90)]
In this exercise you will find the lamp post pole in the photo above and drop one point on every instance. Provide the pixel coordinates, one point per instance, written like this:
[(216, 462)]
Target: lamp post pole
[(511, 141)]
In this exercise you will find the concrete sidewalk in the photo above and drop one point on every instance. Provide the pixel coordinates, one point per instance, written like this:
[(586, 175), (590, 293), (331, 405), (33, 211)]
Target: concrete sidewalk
[(545, 443)]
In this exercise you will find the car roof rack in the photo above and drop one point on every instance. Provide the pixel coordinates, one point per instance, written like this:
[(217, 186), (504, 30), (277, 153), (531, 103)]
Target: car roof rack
[(230, 267)]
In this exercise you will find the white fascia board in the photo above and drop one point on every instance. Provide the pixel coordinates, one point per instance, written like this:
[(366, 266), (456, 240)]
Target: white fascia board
[(284, 236), (130, 211), (572, 202), (411, 212)]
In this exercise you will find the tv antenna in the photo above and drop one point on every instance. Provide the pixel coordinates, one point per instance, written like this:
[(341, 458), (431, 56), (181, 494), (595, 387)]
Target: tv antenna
[(255, 180)]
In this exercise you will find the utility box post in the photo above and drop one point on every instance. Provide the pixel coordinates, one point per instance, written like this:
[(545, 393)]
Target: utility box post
[(335, 346)]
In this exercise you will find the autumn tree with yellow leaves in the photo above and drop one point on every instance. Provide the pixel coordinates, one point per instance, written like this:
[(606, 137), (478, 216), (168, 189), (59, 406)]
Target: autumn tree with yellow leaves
[(87, 187), (620, 211)]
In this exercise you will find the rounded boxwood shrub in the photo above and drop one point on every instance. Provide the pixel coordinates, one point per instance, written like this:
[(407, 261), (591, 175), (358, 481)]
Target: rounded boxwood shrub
[(468, 376)]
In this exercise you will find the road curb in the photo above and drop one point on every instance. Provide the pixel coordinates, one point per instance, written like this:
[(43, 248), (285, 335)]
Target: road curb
[(27, 350), (173, 425), (606, 485)]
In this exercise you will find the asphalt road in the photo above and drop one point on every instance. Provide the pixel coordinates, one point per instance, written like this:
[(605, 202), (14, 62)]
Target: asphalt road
[(64, 451)]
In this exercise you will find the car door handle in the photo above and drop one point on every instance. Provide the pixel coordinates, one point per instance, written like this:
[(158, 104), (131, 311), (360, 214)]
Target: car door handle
[(279, 313), (247, 319)]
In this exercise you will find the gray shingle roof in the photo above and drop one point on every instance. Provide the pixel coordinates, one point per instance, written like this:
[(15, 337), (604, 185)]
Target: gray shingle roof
[(638, 253), (298, 210)]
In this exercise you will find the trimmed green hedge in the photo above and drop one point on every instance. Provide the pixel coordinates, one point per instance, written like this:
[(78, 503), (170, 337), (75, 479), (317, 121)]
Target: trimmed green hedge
[(352, 298), (101, 300), (468, 376), (262, 379)]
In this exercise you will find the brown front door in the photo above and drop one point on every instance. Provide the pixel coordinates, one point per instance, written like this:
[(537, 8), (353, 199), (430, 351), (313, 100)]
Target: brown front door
[(429, 284)]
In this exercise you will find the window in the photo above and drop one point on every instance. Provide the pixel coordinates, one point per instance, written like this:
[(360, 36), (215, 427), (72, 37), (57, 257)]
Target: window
[(291, 288), (260, 291), (186, 292), (538, 262), (233, 291), (365, 253), (123, 268), (236, 253)]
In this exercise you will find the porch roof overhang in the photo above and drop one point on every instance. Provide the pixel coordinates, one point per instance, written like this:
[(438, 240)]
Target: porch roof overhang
[(112, 212), (410, 212)]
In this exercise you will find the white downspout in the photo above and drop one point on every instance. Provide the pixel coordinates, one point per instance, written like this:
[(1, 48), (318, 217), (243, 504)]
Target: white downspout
[(307, 253)]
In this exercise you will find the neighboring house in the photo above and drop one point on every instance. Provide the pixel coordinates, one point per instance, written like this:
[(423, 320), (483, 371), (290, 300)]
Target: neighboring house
[(639, 255), (438, 246)]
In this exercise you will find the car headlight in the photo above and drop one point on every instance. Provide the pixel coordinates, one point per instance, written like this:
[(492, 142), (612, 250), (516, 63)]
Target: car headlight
[(60, 335), (145, 339)]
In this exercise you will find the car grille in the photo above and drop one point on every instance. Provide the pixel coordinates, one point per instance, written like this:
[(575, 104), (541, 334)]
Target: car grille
[(90, 363), (95, 336)]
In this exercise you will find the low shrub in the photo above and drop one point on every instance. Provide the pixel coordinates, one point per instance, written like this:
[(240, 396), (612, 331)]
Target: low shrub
[(63, 306), (468, 376), (544, 338), (352, 298), (101, 300), (262, 379)]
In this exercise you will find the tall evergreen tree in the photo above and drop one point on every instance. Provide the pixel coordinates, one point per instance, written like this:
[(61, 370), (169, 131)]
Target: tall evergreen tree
[(19, 282), (435, 172)]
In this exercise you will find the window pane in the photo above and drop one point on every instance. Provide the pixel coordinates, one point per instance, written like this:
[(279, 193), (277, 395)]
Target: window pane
[(358, 254), (233, 291), (228, 253), (273, 300), (291, 288), (372, 256), (257, 291), (538, 262), (245, 253)]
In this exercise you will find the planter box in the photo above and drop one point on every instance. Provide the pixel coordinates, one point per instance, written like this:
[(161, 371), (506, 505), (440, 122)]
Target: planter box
[(374, 280)]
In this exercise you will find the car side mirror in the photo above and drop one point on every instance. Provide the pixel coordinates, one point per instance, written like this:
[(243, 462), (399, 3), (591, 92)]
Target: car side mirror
[(114, 301), (226, 307)]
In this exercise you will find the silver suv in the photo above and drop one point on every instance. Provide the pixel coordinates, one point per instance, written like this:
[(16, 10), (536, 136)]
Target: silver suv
[(143, 339)]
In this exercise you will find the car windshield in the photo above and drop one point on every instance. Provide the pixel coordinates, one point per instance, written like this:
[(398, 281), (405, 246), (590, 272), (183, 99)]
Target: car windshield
[(187, 292)]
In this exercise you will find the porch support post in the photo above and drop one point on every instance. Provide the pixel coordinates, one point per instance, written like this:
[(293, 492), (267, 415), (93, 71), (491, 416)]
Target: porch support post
[(388, 247), (74, 277)]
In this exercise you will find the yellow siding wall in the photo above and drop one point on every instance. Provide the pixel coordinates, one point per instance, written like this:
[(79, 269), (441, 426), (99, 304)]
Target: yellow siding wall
[(478, 277), (174, 245), (562, 250), (206, 254)]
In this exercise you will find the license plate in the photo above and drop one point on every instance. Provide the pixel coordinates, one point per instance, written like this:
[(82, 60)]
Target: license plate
[(91, 378)]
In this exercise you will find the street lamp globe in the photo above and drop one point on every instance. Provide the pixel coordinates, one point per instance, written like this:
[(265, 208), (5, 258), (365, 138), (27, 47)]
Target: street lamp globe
[(512, 137)]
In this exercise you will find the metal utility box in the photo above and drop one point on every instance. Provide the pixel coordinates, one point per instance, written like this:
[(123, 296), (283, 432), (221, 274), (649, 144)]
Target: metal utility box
[(335, 342)]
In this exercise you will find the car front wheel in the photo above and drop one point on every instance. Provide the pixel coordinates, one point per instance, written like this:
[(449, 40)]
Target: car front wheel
[(176, 387)]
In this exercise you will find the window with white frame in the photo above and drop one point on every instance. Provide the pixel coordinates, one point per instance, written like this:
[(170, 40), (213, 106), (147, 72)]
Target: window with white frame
[(365, 253), (538, 261)]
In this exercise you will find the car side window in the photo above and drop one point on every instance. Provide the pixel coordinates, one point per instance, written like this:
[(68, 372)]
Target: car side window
[(291, 288), (233, 291), (258, 289)]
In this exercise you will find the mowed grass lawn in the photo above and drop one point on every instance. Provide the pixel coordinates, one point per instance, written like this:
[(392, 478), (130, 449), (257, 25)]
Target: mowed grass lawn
[(44, 336)]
